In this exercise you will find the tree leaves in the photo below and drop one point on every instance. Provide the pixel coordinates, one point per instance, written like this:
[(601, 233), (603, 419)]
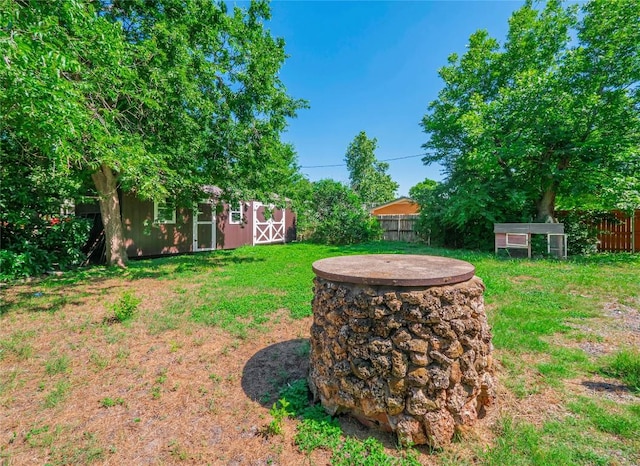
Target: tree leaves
[(554, 112), (367, 176)]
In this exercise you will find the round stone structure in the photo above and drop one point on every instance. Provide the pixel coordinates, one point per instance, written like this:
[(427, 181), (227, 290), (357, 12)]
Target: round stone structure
[(401, 342)]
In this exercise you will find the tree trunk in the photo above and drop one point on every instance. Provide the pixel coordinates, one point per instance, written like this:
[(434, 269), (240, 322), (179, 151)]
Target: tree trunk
[(107, 187), (546, 206)]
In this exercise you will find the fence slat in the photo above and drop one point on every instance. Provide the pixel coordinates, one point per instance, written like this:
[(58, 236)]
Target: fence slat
[(398, 227), (620, 236)]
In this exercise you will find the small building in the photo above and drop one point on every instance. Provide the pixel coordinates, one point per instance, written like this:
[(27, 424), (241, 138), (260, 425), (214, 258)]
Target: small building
[(517, 236), (397, 219), (153, 228), (400, 206)]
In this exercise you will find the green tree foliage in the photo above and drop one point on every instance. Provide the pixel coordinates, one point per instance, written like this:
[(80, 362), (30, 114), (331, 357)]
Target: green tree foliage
[(35, 235), (552, 114), (157, 98), (368, 178), (333, 214), (424, 194)]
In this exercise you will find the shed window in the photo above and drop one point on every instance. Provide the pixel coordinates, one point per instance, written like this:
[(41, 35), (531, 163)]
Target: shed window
[(164, 212), (235, 214)]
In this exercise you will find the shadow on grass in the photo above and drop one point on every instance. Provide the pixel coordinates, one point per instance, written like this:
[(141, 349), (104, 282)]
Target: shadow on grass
[(51, 293), (272, 368)]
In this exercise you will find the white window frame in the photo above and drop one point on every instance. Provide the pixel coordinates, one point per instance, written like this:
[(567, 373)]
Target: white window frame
[(158, 207), (237, 212), (524, 245)]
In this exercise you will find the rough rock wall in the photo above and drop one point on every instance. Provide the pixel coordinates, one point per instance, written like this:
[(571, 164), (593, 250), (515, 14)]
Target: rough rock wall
[(414, 361)]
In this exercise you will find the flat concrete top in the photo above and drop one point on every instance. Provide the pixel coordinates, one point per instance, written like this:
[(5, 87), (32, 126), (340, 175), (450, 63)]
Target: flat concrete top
[(394, 269)]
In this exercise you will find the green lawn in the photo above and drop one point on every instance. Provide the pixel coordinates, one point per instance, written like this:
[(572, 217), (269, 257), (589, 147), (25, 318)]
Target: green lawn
[(559, 327)]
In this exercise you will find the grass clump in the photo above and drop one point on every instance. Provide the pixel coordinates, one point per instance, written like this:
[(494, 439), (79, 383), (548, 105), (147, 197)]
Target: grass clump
[(57, 365), (625, 365), (622, 421), (17, 346), (108, 402), (57, 395)]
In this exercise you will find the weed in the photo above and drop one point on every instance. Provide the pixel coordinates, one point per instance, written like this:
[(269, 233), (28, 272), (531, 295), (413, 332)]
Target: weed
[(9, 380), (317, 430), (163, 321), (125, 308), (156, 391), (162, 376), (57, 365), (100, 361), (17, 345), (296, 394), (215, 378), (212, 406), (177, 451), (109, 402), (40, 437), (79, 451), (368, 452), (279, 413), (57, 395), (304, 349), (198, 341), (123, 353), (113, 336)]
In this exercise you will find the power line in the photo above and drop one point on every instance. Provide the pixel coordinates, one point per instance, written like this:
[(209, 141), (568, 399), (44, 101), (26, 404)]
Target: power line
[(385, 160)]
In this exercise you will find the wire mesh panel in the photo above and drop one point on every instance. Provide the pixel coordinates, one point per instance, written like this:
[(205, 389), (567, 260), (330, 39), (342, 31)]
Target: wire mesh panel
[(557, 245)]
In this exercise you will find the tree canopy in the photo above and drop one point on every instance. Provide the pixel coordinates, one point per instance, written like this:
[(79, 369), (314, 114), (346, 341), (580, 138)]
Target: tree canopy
[(158, 98), (367, 176), (553, 113)]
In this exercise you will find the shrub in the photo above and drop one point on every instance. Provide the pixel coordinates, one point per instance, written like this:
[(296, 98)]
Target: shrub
[(334, 214), (125, 308), (34, 236), (41, 245), (582, 230)]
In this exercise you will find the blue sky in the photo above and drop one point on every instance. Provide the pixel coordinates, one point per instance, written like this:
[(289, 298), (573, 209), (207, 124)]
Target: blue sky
[(372, 66)]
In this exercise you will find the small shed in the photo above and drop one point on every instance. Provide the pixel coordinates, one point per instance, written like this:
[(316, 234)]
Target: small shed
[(154, 228), (518, 236)]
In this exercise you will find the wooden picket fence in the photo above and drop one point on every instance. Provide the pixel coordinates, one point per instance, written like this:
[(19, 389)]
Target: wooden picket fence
[(622, 235), (399, 227)]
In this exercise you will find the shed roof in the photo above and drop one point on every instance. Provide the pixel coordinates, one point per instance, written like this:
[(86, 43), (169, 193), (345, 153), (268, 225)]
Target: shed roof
[(401, 201), (535, 228)]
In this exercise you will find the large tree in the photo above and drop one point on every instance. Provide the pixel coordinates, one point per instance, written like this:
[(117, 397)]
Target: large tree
[(157, 98), (554, 112), (367, 176)]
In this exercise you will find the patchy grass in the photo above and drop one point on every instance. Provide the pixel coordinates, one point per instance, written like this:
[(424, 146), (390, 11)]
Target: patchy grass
[(194, 358), (625, 365)]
